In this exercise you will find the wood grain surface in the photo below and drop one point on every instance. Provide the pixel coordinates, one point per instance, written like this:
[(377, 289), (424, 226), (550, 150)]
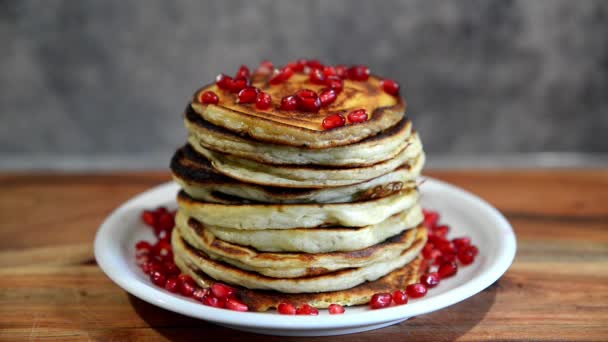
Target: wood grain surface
[(557, 288)]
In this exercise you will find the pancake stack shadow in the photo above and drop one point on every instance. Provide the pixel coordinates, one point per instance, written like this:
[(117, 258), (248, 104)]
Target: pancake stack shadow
[(266, 208)]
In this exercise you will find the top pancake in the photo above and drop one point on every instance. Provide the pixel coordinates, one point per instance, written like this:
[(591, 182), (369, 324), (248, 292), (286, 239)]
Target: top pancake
[(303, 129)]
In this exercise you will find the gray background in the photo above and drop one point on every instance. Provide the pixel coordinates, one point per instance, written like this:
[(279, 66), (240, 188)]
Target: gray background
[(102, 84)]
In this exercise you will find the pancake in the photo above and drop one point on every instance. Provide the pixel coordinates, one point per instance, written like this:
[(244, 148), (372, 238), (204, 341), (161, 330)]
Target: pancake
[(306, 215), (294, 128), (188, 257), (300, 176), (381, 147), (201, 181), (288, 265), (258, 300), (321, 240)]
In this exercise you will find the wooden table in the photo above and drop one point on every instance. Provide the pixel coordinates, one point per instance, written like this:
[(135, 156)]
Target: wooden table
[(51, 288)]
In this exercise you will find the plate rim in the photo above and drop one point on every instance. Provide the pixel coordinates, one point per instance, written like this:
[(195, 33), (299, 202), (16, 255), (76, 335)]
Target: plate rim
[(129, 282)]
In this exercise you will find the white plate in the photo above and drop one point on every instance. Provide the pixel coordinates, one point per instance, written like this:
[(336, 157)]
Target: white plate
[(467, 214)]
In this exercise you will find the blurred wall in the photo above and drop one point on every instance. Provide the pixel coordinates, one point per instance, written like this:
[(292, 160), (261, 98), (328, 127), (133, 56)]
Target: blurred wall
[(85, 79)]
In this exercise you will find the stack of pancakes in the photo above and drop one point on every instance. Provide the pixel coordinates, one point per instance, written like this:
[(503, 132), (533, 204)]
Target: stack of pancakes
[(287, 211)]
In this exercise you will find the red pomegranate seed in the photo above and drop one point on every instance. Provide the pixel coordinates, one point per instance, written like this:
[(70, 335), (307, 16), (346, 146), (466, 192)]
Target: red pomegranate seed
[(199, 294), (284, 74), (358, 73), (333, 121), (465, 256), (163, 234), (172, 285), (235, 305), (447, 269), (430, 218), (391, 87), (327, 96), (209, 97), (187, 285), (380, 300), (446, 247), (314, 64), (164, 222), (474, 250), (298, 66), (461, 242), (162, 249), (224, 81), (441, 230), (306, 309), (161, 210), (430, 280), (335, 309), (289, 103), (243, 72), (143, 246), (140, 260), (434, 255), (427, 250), (357, 116), (335, 83), (171, 268), (239, 84), (214, 301), (149, 218), (222, 290), (342, 71), (263, 100), (158, 278), (247, 95), (329, 71), (308, 100), (286, 308), (317, 76), (265, 68), (416, 290), (151, 266), (400, 297), (437, 240)]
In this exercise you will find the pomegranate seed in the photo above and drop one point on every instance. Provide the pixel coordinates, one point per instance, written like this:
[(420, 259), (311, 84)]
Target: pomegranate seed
[(380, 300), (187, 285), (335, 309), (416, 290), (308, 100), (465, 256), (430, 280), (327, 96), (171, 268), (214, 301), (391, 87), (298, 66), (335, 83), (247, 95), (235, 305), (158, 278), (437, 240), (447, 269), (149, 218), (461, 242), (243, 72), (306, 309), (446, 247), (286, 308), (427, 250), (314, 64), (161, 210), (357, 116), (143, 245), (172, 285), (222, 290), (162, 249), (164, 222), (263, 100), (474, 249), (140, 260), (434, 255), (430, 218), (224, 82), (400, 297), (265, 68), (151, 267), (239, 84), (209, 97), (358, 73), (317, 76), (284, 74), (163, 234), (329, 71), (289, 102), (199, 294), (442, 230), (342, 71), (333, 121)]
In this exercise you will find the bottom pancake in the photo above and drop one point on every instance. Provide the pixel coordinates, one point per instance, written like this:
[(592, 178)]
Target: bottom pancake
[(261, 300)]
